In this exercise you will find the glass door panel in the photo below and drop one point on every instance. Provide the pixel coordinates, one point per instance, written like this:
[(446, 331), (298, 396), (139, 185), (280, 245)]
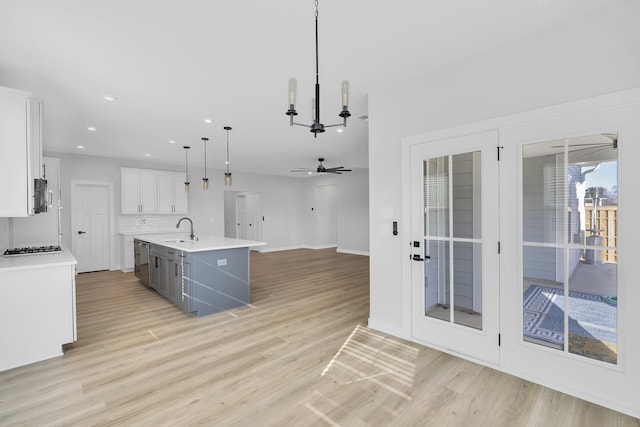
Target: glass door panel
[(453, 267), (569, 226)]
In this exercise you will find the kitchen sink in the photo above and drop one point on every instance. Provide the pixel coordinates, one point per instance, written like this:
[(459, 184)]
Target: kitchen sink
[(173, 241)]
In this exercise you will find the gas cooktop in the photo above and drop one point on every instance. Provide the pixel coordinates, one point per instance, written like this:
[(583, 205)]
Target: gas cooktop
[(32, 250)]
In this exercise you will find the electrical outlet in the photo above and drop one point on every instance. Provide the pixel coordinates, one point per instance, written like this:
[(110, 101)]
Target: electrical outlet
[(222, 262)]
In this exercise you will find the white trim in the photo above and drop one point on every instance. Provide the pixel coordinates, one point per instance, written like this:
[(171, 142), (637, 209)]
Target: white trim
[(387, 329), (332, 245), (352, 252), (112, 228)]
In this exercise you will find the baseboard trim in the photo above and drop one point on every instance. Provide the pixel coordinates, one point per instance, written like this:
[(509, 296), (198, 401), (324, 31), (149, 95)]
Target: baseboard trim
[(352, 252)]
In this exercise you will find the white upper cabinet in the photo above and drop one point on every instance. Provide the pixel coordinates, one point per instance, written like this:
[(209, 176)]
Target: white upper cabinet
[(171, 195), (139, 189), (152, 192), (16, 191), (37, 163)]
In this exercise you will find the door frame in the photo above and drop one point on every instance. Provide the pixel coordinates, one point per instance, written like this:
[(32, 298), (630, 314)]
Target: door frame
[(111, 211), (450, 335)]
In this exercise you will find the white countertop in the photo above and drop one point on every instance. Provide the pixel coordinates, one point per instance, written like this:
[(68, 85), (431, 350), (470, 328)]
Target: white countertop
[(24, 262), (204, 243), (146, 232)]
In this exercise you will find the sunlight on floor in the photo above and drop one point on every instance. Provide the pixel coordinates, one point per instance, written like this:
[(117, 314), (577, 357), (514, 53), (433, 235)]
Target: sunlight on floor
[(369, 366)]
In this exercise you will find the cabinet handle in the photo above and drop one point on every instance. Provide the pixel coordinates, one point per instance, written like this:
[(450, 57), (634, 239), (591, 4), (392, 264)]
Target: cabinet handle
[(44, 170), (156, 261)]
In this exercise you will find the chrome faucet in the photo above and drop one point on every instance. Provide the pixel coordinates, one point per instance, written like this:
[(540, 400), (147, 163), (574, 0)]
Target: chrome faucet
[(191, 236)]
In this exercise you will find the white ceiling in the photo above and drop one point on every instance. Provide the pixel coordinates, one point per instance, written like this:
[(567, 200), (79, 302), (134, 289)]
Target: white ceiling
[(171, 64)]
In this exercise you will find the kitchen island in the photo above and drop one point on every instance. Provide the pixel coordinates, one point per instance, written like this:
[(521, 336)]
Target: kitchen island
[(201, 276), (37, 308)]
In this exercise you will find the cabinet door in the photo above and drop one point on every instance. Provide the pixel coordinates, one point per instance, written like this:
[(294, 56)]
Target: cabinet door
[(37, 115), (181, 197), (148, 192), (16, 189), (165, 193), (130, 192)]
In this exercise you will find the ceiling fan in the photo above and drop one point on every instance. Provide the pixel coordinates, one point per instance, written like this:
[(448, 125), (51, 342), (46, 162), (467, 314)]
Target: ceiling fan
[(321, 169)]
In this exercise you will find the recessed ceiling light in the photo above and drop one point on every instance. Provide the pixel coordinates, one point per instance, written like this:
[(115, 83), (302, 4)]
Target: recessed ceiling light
[(309, 173), (108, 98), (148, 155), (91, 128), (81, 147), (208, 121), (339, 130), (171, 141)]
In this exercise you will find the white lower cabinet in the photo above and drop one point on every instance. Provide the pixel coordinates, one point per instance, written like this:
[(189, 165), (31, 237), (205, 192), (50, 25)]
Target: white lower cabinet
[(37, 313), (127, 257)]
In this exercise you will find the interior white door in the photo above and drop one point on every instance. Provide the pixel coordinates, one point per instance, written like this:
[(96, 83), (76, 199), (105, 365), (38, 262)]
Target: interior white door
[(455, 243), (90, 225), (248, 216), (326, 215)]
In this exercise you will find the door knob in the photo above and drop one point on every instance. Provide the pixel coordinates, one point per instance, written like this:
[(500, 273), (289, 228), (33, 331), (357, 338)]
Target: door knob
[(82, 232)]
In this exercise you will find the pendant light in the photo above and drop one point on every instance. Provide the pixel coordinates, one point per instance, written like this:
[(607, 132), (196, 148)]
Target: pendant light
[(317, 127), (205, 180), (227, 174), (186, 168)]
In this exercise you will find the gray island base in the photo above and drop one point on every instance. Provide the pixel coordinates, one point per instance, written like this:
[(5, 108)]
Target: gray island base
[(201, 277)]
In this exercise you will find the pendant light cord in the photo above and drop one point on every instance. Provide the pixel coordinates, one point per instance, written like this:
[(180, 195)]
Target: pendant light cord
[(317, 68)]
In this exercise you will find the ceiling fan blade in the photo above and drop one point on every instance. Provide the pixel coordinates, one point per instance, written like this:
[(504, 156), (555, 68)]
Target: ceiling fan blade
[(301, 170)]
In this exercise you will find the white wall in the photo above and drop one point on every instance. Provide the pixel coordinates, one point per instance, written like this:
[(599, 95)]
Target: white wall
[(590, 55), (352, 201), (4, 233), (284, 222)]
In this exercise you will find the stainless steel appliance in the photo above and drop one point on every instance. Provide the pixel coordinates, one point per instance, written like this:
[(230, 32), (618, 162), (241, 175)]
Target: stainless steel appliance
[(141, 252), (42, 197)]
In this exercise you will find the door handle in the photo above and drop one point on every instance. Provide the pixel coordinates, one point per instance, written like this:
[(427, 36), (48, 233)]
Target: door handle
[(82, 232), (417, 257)]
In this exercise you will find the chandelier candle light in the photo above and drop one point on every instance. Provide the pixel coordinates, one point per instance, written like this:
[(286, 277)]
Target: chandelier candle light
[(317, 127), (186, 168), (205, 180), (227, 174)]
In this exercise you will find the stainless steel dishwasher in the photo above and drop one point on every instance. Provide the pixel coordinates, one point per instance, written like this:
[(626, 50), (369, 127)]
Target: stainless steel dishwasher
[(141, 251)]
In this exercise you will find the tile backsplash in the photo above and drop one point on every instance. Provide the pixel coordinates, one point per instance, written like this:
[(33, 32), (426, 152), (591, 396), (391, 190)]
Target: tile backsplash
[(149, 223)]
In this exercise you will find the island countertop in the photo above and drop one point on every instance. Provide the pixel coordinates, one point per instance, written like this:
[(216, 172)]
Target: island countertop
[(200, 244)]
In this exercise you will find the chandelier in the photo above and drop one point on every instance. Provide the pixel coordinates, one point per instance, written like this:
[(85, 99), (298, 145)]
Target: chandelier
[(317, 127)]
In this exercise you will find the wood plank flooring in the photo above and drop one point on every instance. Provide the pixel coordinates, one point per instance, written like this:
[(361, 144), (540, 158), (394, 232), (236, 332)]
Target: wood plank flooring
[(299, 356)]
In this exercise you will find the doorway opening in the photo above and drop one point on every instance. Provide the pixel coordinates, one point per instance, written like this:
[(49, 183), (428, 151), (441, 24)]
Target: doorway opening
[(243, 215)]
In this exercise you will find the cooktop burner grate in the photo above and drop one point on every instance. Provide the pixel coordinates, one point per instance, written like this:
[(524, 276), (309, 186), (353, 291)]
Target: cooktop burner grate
[(32, 250)]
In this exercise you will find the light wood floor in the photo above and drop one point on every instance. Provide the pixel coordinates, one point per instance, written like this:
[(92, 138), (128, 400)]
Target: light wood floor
[(300, 356)]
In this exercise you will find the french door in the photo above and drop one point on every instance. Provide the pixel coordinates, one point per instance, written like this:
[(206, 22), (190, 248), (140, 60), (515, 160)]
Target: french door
[(455, 244)]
